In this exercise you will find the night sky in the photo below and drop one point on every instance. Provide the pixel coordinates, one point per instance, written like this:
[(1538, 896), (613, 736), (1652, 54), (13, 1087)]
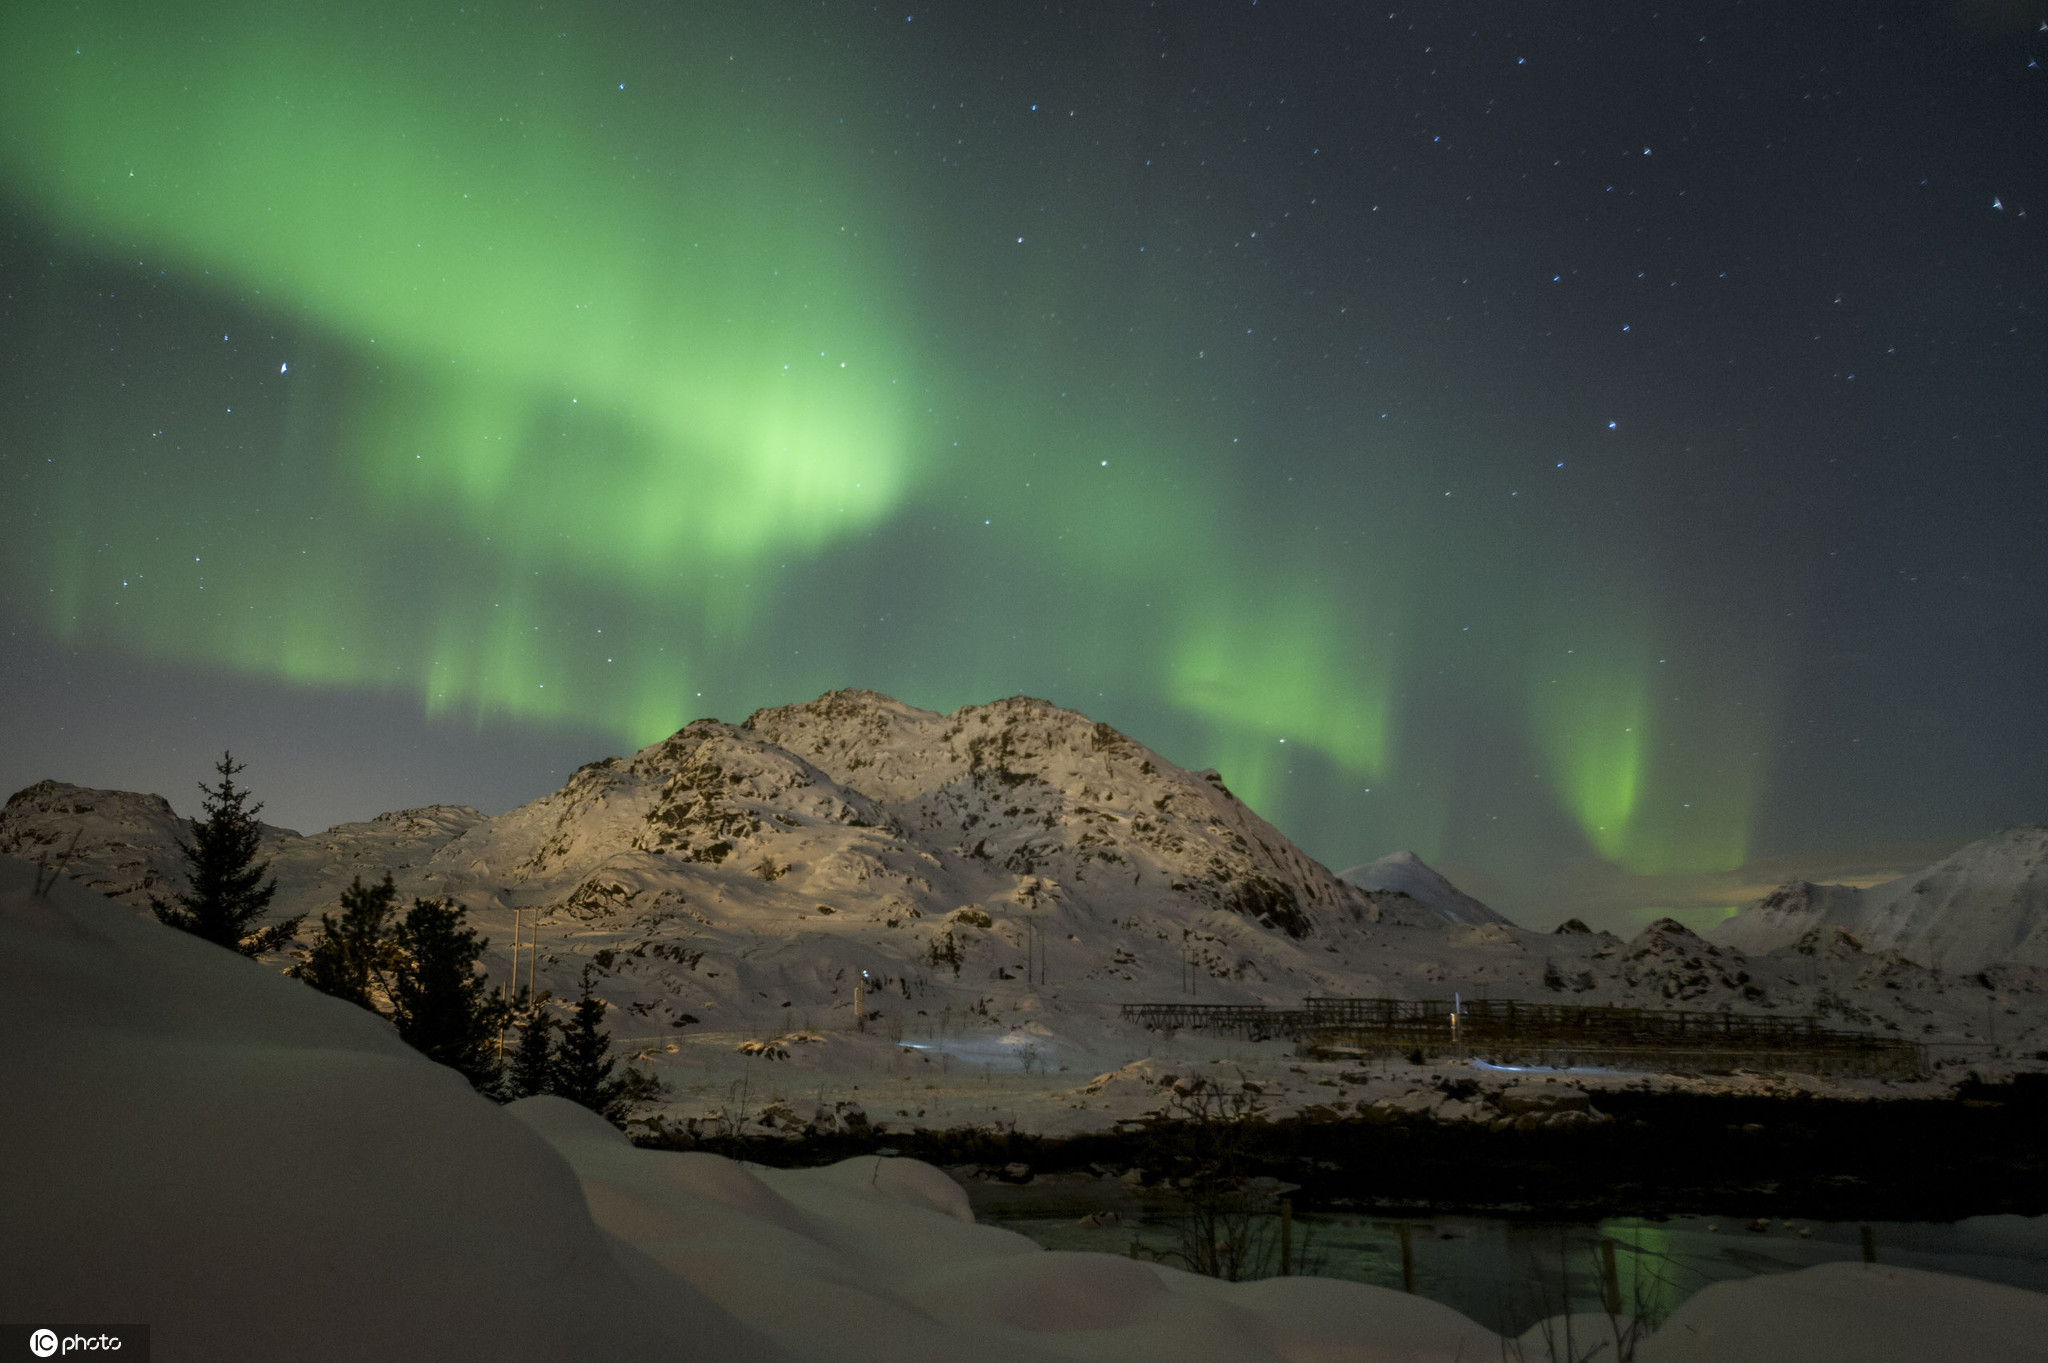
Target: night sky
[(1602, 448)]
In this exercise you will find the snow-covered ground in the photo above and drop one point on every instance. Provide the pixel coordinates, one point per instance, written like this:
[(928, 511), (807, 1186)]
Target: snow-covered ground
[(991, 885), (260, 1172)]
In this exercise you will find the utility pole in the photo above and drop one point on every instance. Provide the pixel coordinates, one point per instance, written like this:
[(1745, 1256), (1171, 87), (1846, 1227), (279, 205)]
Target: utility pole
[(511, 989), (514, 986)]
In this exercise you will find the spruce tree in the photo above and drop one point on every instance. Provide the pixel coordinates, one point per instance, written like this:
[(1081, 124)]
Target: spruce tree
[(533, 1068), (354, 958), (442, 1005), (583, 1065), (228, 892)]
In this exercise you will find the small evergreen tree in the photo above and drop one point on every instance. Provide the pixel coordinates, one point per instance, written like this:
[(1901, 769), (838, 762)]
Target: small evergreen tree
[(228, 892), (443, 1007), (354, 958), (533, 1068), (583, 1065)]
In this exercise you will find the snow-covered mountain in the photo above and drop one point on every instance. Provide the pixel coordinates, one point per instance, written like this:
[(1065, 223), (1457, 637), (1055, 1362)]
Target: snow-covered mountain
[(739, 870), (1986, 905), (993, 882), (1406, 875)]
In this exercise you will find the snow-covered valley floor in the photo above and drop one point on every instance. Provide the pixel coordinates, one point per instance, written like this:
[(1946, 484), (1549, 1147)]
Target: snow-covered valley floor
[(261, 1172)]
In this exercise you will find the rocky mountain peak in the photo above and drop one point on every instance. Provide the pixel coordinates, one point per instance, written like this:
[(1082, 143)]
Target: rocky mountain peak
[(1039, 790)]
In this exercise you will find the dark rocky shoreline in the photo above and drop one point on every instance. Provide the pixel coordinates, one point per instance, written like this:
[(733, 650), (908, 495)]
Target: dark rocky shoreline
[(1984, 1151)]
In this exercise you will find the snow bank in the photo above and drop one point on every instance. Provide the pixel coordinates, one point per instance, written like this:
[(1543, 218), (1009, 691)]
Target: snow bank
[(1869, 1312), (260, 1172)]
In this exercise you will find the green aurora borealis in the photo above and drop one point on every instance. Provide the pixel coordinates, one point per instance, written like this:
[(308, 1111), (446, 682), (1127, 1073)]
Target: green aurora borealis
[(608, 365)]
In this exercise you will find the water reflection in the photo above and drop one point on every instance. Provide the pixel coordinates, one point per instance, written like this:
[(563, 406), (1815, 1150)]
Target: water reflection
[(1509, 1274)]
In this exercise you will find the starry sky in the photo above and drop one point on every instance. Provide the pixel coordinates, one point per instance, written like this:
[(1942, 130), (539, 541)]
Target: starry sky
[(1602, 448)]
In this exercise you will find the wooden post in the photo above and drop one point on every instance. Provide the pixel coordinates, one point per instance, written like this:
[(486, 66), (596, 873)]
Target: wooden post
[(1610, 1281), (1286, 1237), (1407, 1257), (532, 951), (1869, 1243), (860, 1015)]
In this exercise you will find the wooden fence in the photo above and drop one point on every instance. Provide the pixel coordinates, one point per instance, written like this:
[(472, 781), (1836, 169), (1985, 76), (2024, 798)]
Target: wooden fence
[(1510, 1032)]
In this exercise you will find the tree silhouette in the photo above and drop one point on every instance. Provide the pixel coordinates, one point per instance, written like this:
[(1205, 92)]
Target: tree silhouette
[(355, 959), (583, 1065), (533, 1068), (441, 1003), (228, 892)]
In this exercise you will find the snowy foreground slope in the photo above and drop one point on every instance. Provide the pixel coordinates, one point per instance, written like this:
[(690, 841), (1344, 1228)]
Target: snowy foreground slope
[(260, 1172), (1986, 905), (990, 885)]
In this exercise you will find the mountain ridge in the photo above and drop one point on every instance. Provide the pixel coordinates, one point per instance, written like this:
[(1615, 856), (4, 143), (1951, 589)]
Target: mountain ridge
[(1015, 870), (1983, 905)]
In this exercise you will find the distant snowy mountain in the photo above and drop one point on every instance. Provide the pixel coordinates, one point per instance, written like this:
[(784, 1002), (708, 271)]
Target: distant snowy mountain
[(117, 842), (1787, 913), (125, 845), (1404, 873), (1986, 905)]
